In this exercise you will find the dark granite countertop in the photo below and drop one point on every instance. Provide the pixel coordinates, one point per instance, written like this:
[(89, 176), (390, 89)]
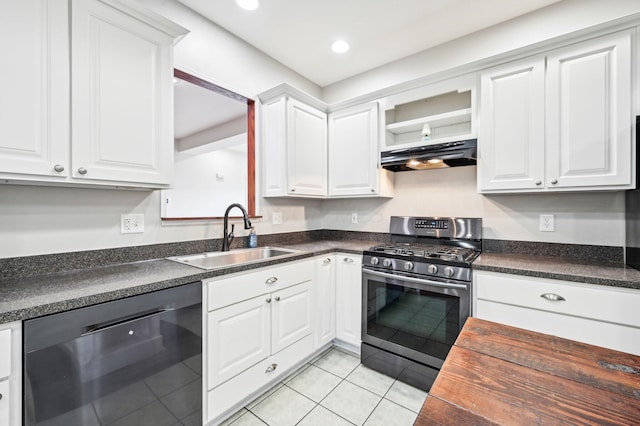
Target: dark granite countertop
[(608, 274), (38, 295), (34, 296)]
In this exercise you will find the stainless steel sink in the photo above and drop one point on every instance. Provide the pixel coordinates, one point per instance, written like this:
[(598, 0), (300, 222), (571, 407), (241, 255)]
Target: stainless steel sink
[(221, 259)]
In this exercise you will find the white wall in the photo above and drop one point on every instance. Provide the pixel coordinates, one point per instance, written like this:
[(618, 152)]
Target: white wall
[(212, 53), (208, 179), (580, 218)]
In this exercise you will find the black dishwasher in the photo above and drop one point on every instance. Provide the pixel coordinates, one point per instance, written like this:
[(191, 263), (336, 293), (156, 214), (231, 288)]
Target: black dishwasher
[(136, 360)]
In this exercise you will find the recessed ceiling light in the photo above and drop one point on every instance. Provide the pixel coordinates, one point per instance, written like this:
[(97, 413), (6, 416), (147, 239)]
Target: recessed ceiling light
[(340, 46), (248, 4)]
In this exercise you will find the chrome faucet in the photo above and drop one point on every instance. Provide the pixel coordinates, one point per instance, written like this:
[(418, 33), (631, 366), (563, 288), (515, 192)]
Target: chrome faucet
[(227, 237)]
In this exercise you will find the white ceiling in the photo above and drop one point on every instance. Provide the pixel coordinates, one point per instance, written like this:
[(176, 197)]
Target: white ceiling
[(198, 109), (299, 33)]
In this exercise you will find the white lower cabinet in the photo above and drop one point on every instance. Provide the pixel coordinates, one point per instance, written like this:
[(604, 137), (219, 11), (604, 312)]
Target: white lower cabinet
[(598, 315), (259, 325), (11, 374), (325, 300), (349, 300)]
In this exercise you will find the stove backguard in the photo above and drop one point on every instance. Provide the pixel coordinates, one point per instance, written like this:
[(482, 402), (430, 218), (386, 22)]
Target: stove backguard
[(454, 231)]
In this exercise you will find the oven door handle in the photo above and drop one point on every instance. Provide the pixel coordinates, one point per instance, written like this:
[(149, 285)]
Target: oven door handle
[(416, 280)]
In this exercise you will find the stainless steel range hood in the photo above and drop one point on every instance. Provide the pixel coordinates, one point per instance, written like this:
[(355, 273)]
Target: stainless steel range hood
[(449, 154)]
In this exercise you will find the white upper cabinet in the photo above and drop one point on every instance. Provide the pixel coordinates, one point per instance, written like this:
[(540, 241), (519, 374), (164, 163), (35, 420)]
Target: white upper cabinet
[(34, 83), (566, 128), (307, 149), (98, 113), (512, 129), (447, 108), (294, 148), (589, 122), (306, 154), (122, 95), (354, 154)]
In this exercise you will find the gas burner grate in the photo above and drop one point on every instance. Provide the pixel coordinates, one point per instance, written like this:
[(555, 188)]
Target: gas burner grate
[(454, 254)]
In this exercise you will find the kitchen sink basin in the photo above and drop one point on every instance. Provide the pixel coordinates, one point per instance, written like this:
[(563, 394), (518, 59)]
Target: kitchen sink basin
[(221, 259)]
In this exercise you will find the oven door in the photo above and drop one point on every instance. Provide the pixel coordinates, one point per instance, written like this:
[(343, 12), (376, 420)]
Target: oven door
[(416, 318)]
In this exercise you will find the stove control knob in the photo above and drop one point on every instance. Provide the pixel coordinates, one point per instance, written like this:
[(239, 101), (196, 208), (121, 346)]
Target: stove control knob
[(386, 263), (375, 261), (448, 271), (408, 266), (432, 269)]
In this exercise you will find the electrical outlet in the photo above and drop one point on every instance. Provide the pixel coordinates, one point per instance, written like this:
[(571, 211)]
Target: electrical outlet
[(354, 217), (277, 218), (131, 223), (547, 223)]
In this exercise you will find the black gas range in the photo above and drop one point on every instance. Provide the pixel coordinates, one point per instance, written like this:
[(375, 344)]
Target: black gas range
[(417, 295)]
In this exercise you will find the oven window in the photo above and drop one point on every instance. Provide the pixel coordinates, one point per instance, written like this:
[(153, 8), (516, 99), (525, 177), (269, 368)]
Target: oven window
[(420, 320)]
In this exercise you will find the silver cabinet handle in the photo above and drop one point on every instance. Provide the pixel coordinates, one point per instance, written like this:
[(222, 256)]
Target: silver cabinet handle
[(538, 182), (554, 182), (82, 171), (327, 260), (553, 297), (277, 298), (271, 368), (58, 168), (268, 300), (271, 280), (373, 190), (0, 396), (348, 260), (293, 190)]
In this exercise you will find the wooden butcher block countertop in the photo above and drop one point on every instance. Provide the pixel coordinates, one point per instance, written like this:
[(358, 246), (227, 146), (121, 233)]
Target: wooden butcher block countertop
[(497, 374)]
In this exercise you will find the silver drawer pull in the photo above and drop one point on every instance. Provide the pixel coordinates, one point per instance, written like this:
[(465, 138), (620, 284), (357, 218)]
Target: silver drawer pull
[(271, 368), (348, 260), (268, 300), (327, 260), (82, 171), (271, 280), (58, 168), (553, 297), (277, 298), (0, 397)]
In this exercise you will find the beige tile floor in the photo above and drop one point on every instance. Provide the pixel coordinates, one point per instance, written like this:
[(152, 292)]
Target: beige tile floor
[(334, 389)]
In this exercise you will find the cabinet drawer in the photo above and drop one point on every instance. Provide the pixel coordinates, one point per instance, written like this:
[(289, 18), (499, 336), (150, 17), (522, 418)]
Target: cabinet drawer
[(5, 354), (238, 287), (612, 336), (249, 383), (611, 304)]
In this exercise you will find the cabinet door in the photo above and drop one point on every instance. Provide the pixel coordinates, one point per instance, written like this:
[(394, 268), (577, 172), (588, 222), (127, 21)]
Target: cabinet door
[(353, 151), (511, 133), (325, 301), (237, 338), (5, 353), (349, 299), (122, 96), (34, 87), (274, 152), (306, 149), (589, 123), (5, 400), (291, 315)]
